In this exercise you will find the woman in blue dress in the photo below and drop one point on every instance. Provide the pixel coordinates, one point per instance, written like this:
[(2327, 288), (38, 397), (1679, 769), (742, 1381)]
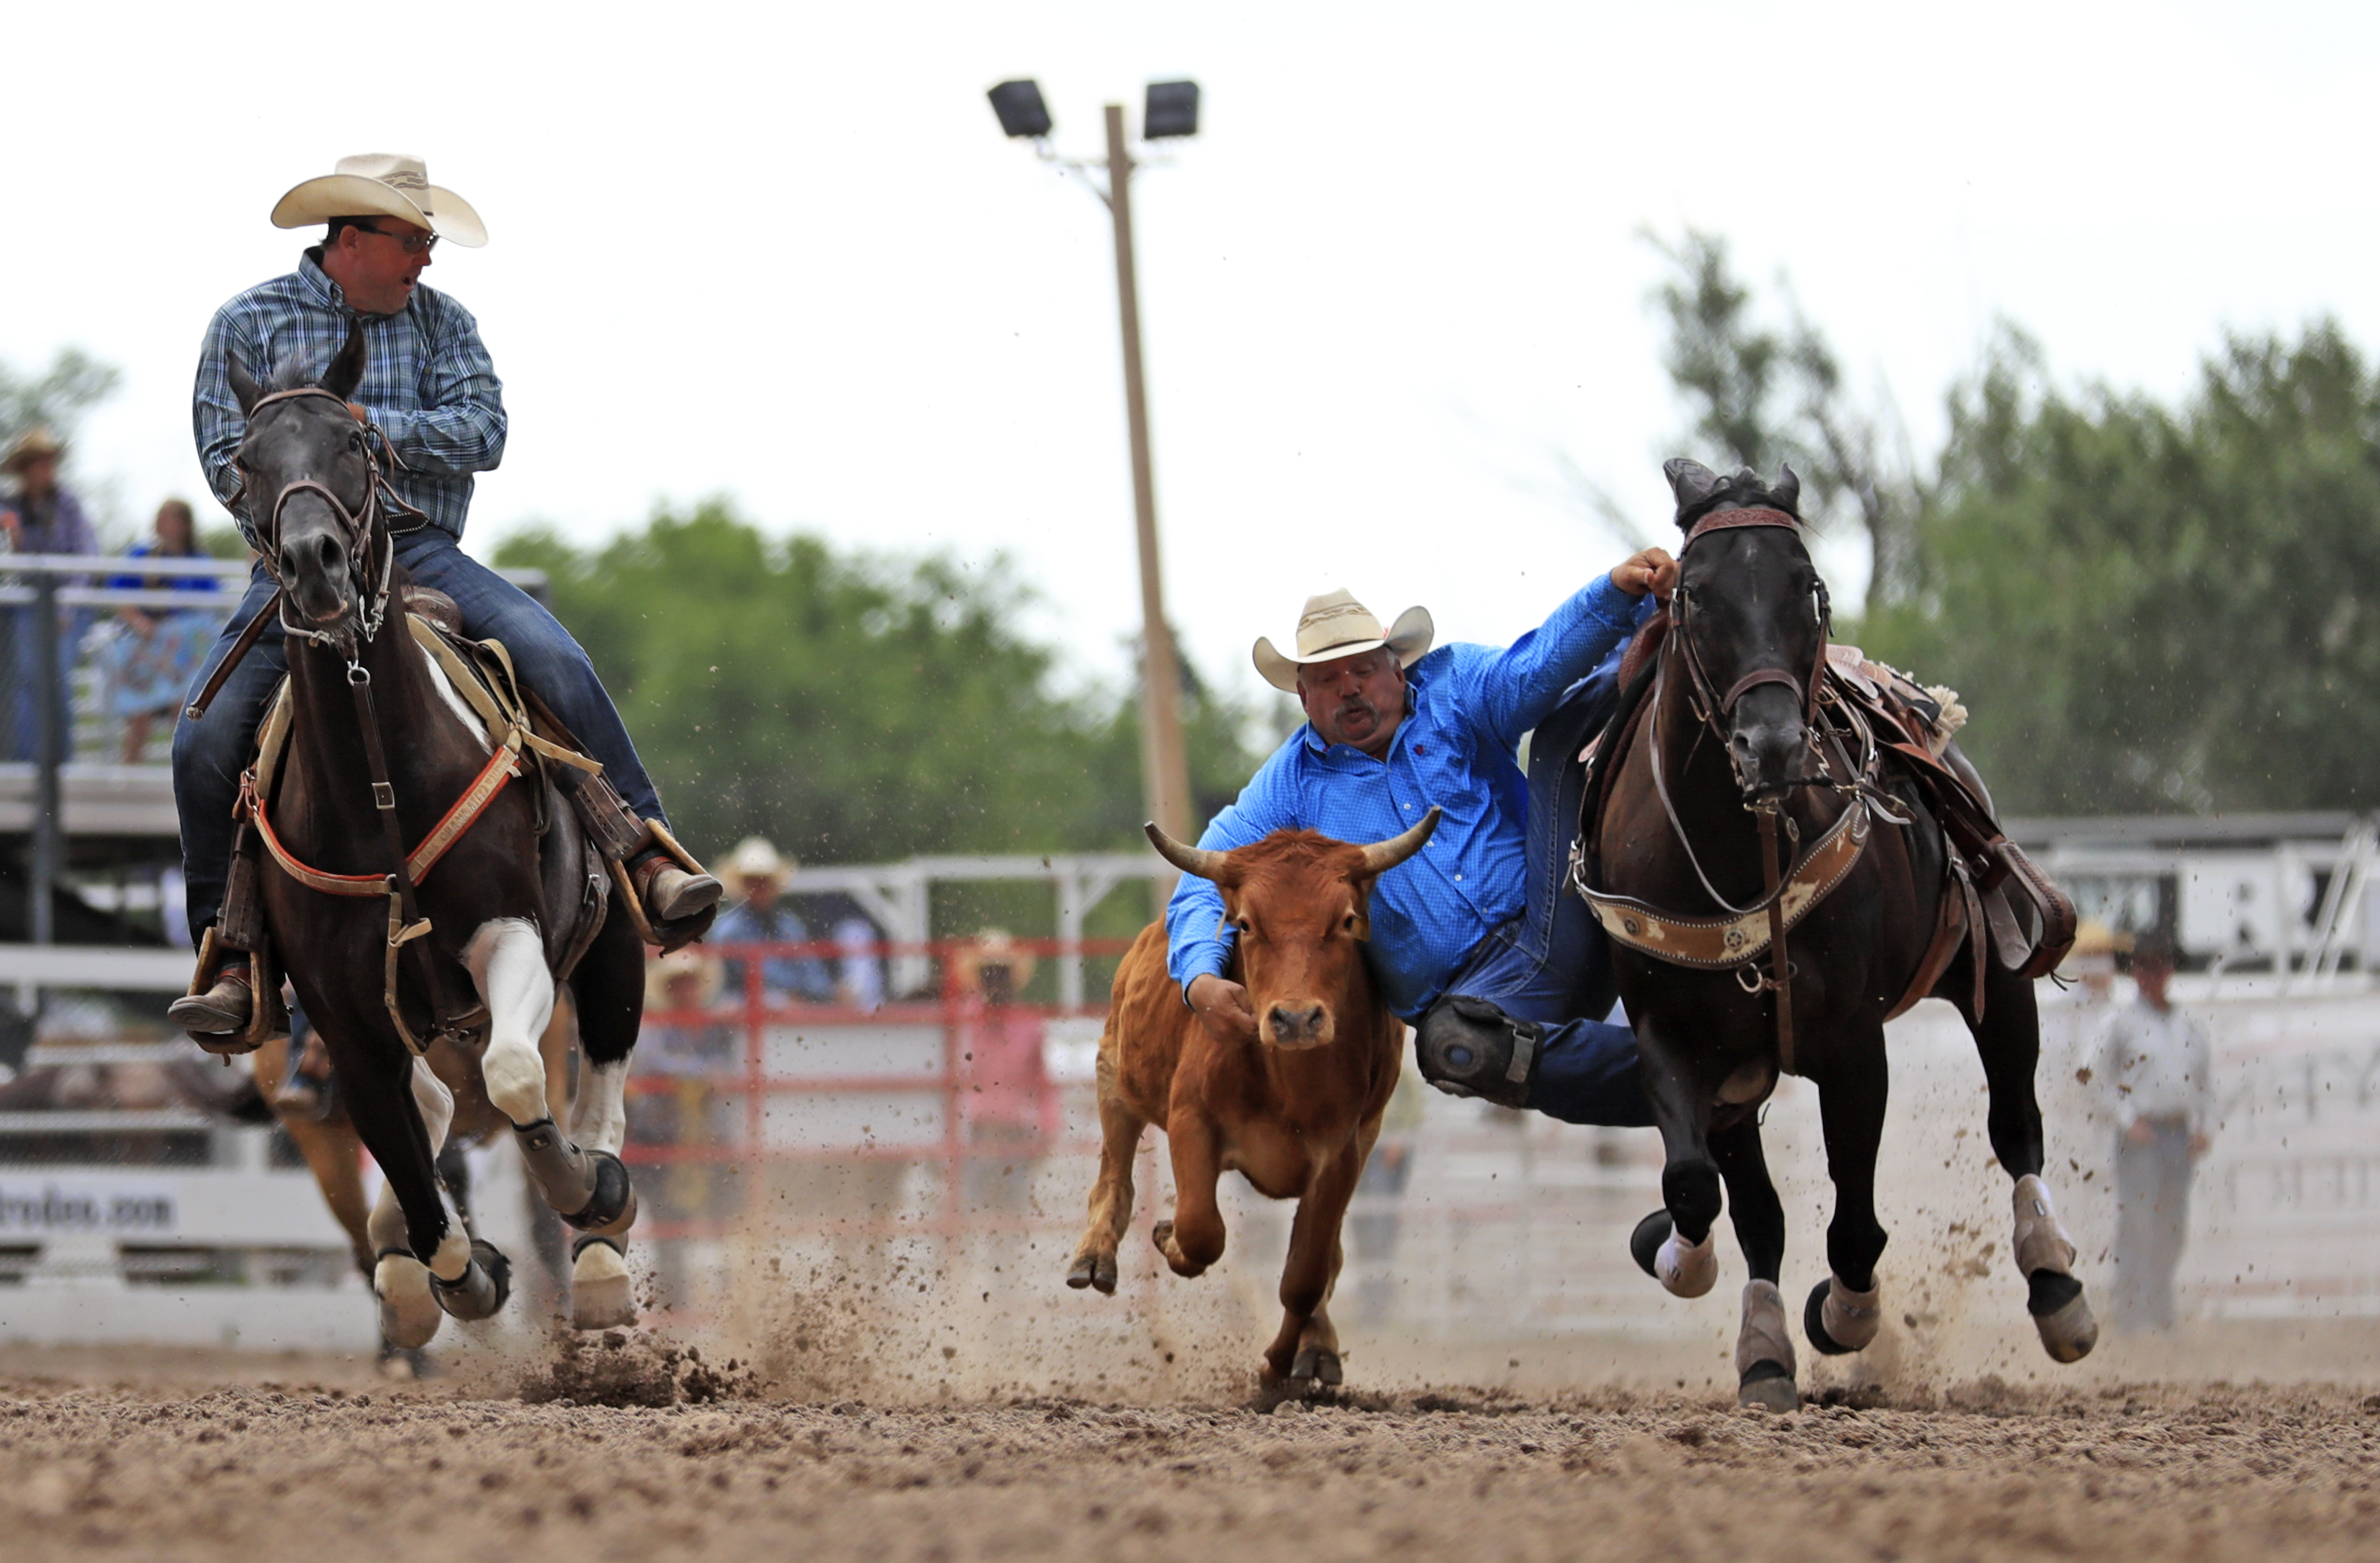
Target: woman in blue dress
[(156, 652)]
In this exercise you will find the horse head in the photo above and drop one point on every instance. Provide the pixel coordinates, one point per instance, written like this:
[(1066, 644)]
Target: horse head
[(308, 485), (1752, 618)]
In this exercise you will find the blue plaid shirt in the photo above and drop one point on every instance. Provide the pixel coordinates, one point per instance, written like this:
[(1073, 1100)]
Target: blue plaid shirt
[(1467, 709), (427, 383)]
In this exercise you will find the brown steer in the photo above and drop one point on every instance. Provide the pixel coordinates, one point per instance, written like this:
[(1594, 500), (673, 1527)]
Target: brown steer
[(1292, 1104)]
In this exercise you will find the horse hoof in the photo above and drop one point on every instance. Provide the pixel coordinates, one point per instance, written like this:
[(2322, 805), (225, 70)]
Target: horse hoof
[(482, 1290), (408, 1310), (614, 1200), (1687, 1269), (2062, 1316), (1317, 1365), (1814, 1322), (1768, 1386), (600, 1295), (1644, 1243), (1161, 1234)]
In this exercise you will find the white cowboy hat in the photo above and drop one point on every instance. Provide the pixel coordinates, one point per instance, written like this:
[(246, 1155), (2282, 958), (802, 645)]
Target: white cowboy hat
[(708, 975), (755, 858), (383, 183), (1333, 625)]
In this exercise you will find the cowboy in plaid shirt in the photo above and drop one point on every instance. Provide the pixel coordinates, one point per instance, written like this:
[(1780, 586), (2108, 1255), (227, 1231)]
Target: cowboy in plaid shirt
[(431, 386)]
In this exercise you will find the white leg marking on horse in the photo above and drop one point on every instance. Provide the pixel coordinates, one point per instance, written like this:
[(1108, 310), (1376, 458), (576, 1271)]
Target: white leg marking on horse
[(1688, 1271), (454, 1255), (436, 1104), (2041, 1239), (447, 691), (1765, 1335), (1850, 1317), (601, 1121), (408, 1313), (601, 1297), (507, 961)]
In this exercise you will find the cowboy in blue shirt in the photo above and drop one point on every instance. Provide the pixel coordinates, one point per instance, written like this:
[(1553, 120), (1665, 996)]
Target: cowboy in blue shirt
[(431, 387), (1506, 979)]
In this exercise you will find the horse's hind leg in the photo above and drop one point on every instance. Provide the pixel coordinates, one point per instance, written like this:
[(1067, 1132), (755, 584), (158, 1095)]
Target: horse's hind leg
[(609, 987), (1094, 1264), (2008, 1037), (1764, 1346)]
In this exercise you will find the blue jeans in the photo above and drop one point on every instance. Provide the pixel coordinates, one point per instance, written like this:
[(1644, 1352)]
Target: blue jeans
[(209, 755), (1552, 963)]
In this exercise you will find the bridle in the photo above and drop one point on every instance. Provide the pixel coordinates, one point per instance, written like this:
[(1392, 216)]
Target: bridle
[(367, 530), (1713, 707)]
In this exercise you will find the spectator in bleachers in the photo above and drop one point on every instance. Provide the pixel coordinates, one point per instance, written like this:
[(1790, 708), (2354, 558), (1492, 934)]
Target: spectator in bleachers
[(758, 875), (1009, 1105), (685, 1044), (38, 516), (859, 977), (153, 657)]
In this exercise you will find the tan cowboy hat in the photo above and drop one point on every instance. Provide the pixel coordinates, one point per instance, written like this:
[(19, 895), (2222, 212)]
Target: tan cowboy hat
[(384, 184), (1334, 624), (32, 445), (755, 858), (688, 963)]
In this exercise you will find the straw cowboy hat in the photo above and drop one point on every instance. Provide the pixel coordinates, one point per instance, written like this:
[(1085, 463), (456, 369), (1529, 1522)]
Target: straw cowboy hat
[(30, 446), (755, 858), (994, 947), (1334, 624), (687, 963), (385, 185)]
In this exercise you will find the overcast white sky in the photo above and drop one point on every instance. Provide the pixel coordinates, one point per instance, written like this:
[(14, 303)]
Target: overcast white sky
[(782, 253)]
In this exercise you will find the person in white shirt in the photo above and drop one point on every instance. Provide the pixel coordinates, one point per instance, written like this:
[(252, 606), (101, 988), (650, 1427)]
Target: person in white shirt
[(2156, 1066)]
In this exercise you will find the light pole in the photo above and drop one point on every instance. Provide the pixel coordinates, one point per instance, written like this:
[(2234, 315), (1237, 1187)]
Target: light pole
[(1171, 110)]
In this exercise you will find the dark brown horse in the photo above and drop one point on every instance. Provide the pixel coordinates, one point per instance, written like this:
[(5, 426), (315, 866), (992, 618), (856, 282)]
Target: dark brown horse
[(387, 960), (1731, 743)]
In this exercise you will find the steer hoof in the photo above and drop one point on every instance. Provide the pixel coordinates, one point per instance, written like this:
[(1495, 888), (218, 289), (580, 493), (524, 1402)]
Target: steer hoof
[(2062, 1316), (1767, 1385), (1319, 1366), (1096, 1271)]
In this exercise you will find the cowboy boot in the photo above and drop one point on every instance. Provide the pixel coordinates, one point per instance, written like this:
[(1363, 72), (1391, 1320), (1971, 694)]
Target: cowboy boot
[(218, 1019), (668, 892)]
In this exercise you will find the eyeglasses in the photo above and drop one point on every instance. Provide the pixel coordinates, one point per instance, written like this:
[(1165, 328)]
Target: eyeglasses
[(413, 244)]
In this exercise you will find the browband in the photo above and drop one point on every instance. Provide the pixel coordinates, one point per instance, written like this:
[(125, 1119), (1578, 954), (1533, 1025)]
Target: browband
[(1727, 520)]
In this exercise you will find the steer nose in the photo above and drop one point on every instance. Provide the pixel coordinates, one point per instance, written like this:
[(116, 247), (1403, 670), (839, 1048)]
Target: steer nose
[(1295, 1023)]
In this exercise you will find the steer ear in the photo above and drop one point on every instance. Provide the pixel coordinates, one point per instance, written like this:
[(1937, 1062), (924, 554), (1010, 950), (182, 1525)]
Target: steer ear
[(1203, 862), (1381, 856)]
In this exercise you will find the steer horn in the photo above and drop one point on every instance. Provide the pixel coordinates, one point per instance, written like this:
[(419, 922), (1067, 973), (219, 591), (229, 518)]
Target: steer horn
[(1201, 861), (1381, 856)]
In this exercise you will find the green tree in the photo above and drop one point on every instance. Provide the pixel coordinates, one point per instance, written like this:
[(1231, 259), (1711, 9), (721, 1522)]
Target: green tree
[(855, 708), (55, 398), (2158, 609)]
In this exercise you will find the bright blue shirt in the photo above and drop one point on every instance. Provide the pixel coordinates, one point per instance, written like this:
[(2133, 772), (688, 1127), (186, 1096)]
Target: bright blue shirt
[(1467, 709), (802, 976), (427, 383)]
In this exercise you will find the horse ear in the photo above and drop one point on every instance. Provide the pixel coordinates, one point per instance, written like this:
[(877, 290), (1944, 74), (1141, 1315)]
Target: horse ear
[(1690, 480), (347, 370), (243, 389), (1788, 491)]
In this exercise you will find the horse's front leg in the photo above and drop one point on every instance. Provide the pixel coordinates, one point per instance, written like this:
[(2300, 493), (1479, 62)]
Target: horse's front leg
[(1764, 1346), (1842, 1314), (458, 1275), (585, 1185), (1686, 1260), (2008, 1036)]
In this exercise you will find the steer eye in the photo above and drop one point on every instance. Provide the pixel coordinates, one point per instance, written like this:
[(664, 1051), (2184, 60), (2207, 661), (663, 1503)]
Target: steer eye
[(1347, 924), (1241, 924)]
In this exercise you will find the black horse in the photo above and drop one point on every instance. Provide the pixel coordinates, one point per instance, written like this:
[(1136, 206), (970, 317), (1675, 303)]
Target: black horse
[(427, 980), (1732, 743)]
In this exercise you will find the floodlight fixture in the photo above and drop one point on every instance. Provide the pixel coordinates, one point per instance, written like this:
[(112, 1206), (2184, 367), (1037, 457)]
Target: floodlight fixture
[(1171, 110), (1021, 112)]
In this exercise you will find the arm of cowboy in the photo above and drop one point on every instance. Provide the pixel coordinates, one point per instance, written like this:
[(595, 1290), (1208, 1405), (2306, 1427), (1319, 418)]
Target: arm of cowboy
[(1197, 943), (461, 425), (1509, 692), (216, 422)]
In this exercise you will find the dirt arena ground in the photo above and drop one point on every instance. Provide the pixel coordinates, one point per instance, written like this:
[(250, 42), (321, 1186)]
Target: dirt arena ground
[(218, 1455)]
